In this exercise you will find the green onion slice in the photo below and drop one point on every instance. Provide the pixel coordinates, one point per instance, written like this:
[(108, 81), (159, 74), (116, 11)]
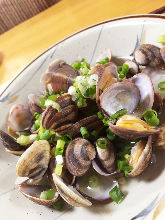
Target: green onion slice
[(161, 86), (110, 135), (84, 132), (58, 205), (101, 143), (118, 114), (60, 147), (23, 140), (116, 195), (47, 194), (58, 169), (150, 117), (161, 39)]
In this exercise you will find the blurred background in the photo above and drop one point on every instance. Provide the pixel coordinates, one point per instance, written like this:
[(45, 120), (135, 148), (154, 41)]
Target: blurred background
[(28, 27)]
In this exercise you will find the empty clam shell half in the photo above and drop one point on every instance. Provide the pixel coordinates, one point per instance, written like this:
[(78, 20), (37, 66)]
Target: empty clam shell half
[(106, 155), (129, 126), (145, 86), (118, 96), (70, 194), (20, 118), (148, 54), (33, 192), (79, 154), (140, 156), (96, 187), (33, 163)]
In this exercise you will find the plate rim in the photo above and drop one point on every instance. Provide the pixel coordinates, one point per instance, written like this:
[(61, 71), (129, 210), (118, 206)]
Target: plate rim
[(77, 32)]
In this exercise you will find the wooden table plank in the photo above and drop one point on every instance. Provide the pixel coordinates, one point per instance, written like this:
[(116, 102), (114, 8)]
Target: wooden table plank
[(26, 41)]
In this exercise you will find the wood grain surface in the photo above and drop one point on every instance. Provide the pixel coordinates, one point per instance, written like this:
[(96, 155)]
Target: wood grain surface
[(26, 41), (13, 12)]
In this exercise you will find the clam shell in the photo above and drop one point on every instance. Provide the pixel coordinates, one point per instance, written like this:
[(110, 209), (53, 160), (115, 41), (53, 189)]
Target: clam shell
[(118, 96), (34, 104), (33, 192), (106, 156), (159, 139), (20, 118), (145, 86), (91, 123), (148, 54), (162, 52), (33, 163), (128, 133), (10, 143), (133, 66), (79, 154), (69, 194), (144, 158)]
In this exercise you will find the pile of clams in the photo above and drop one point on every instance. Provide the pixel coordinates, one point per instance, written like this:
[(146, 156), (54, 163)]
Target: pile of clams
[(83, 159)]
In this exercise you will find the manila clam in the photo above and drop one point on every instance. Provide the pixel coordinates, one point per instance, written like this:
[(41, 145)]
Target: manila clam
[(79, 155), (159, 139), (148, 55), (20, 118), (129, 127), (33, 163), (133, 66), (162, 52), (70, 194), (34, 103), (140, 156)]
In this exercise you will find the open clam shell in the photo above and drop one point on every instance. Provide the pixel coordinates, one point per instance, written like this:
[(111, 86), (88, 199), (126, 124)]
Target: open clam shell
[(11, 145), (70, 194), (140, 156), (145, 86), (79, 155), (159, 139), (106, 156), (118, 96), (130, 127), (20, 118), (33, 192), (34, 103), (97, 191), (33, 163)]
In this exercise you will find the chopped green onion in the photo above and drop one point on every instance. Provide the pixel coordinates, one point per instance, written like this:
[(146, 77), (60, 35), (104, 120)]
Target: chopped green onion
[(53, 97), (62, 92), (122, 165), (53, 104), (101, 143), (118, 114), (42, 101), (105, 121), (67, 138), (104, 61), (37, 115), (47, 194), (122, 71), (110, 135), (84, 132), (161, 39), (44, 134), (58, 205), (161, 86), (51, 92), (93, 181), (116, 195), (99, 115), (24, 133), (84, 70), (150, 117), (81, 103), (60, 147), (58, 169), (77, 65), (23, 140), (94, 135)]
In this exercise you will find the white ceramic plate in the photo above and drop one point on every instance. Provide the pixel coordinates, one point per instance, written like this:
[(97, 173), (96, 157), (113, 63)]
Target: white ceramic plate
[(121, 35)]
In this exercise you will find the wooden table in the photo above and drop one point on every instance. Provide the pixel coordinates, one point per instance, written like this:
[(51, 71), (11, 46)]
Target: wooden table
[(26, 41)]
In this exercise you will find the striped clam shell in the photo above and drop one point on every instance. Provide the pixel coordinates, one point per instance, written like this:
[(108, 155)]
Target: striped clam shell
[(70, 194), (148, 55), (79, 155), (33, 163), (59, 121)]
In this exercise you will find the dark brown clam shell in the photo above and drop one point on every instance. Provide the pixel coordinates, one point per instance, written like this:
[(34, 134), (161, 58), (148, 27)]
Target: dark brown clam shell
[(148, 55), (60, 76), (118, 96), (59, 121), (34, 104), (33, 192), (91, 123), (127, 133), (64, 100), (144, 158), (159, 139), (20, 118), (79, 154), (106, 156), (158, 102), (10, 143)]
